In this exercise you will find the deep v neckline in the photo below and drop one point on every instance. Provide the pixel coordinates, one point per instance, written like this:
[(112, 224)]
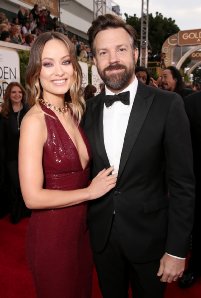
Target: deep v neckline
[(76, 149), (53, 114)]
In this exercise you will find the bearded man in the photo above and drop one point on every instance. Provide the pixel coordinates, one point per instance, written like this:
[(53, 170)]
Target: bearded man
[(140, 229)]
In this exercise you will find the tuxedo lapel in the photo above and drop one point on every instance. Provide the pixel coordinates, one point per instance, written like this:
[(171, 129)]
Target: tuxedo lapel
[(141, 105), (98, 131)]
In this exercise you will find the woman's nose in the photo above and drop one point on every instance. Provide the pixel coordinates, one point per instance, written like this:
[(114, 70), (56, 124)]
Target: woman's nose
[(59, 70)]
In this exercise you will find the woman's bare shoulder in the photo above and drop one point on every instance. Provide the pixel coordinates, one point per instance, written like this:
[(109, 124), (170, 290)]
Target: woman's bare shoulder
[(34, 117), (35, 113)]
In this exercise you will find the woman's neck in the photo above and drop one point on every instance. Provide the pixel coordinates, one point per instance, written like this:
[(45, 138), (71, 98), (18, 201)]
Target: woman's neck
[(17, 106)]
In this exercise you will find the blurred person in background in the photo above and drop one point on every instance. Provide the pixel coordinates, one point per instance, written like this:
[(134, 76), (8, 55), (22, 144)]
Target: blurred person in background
[(193, 269), (196, 86), (83, 56), (15, 21), (89, 91), (4, 27), (142, 74), (13, 110), (2, 17), (5, 36), (171, 80), (35, 13), (15, 34), (42, 18), (26, 28), (22, 15), (28, 40), (4, 205)]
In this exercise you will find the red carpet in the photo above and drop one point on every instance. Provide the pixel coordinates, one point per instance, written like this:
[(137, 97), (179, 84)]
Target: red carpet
[(15, 278)]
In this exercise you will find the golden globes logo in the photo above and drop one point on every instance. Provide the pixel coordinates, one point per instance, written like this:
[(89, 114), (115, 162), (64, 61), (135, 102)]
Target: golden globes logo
[(196, 55), (189, 37)]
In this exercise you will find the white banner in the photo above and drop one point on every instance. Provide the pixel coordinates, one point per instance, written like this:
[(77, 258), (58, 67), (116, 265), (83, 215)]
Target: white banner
[(95, 78), (84, 67), (9, 69)]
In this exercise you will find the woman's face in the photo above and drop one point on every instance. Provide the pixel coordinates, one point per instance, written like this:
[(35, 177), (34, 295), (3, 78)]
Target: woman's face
[(16, 95), (56, 76)]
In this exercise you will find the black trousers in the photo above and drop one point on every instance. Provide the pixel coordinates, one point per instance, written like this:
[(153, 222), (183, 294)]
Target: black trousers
[(116, 273), (18, 209), (195, 259)]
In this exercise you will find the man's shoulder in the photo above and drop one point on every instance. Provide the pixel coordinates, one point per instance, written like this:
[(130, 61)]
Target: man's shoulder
[(162, 95), (193, 102), (196, 96)]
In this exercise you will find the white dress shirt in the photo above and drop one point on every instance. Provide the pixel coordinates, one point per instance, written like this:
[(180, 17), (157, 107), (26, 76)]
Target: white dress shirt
[(115, 122)]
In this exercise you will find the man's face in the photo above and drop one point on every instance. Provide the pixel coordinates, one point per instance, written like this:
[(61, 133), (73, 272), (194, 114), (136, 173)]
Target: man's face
[(167, 81), (115, 58)]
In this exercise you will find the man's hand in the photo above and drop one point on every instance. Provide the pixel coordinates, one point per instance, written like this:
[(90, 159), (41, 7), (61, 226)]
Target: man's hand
[(171, 268)]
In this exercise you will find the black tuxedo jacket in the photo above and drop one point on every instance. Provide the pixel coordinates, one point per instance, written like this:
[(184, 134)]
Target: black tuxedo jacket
[(154, 195), (193, 109)]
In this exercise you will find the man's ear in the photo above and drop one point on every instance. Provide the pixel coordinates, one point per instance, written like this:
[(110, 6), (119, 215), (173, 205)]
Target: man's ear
[(94, 60), (136, 55)]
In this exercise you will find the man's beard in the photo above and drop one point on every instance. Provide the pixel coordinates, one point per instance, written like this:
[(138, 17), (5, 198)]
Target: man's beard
[(117, 81)]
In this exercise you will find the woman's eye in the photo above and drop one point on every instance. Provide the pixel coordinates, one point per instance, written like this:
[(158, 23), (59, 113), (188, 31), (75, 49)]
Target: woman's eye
[(47, 64), (66, 62)]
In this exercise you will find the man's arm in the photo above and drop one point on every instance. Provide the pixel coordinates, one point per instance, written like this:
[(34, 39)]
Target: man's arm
[(178, 149)]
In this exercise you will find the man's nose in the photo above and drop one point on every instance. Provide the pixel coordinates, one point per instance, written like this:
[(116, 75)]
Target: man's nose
[(113, 57)]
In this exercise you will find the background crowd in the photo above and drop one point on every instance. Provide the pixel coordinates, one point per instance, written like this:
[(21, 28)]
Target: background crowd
[(28, 24)]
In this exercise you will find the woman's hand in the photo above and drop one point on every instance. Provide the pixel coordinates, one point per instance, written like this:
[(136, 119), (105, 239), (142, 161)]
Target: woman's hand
[(102, 183)]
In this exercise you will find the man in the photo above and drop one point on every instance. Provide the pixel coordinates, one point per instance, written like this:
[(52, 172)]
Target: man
[(193, 109), (171, 80), (139, 231)]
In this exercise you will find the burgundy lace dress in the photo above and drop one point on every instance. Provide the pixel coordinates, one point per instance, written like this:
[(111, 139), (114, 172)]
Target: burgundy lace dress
[(58, 242)]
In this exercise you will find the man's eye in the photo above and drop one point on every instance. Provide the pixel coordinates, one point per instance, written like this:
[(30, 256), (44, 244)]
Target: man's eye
[(122, 49), (102, 53)]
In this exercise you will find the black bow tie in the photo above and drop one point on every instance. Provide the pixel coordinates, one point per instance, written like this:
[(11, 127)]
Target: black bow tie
[(124, 97)]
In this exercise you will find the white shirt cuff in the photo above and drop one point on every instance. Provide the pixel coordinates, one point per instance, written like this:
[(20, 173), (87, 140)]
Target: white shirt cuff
[(175, 257)]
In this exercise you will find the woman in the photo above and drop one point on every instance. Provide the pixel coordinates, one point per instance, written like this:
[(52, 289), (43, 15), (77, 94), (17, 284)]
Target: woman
[(15, 34), (3, 200), (54, 162), (13, 110)]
